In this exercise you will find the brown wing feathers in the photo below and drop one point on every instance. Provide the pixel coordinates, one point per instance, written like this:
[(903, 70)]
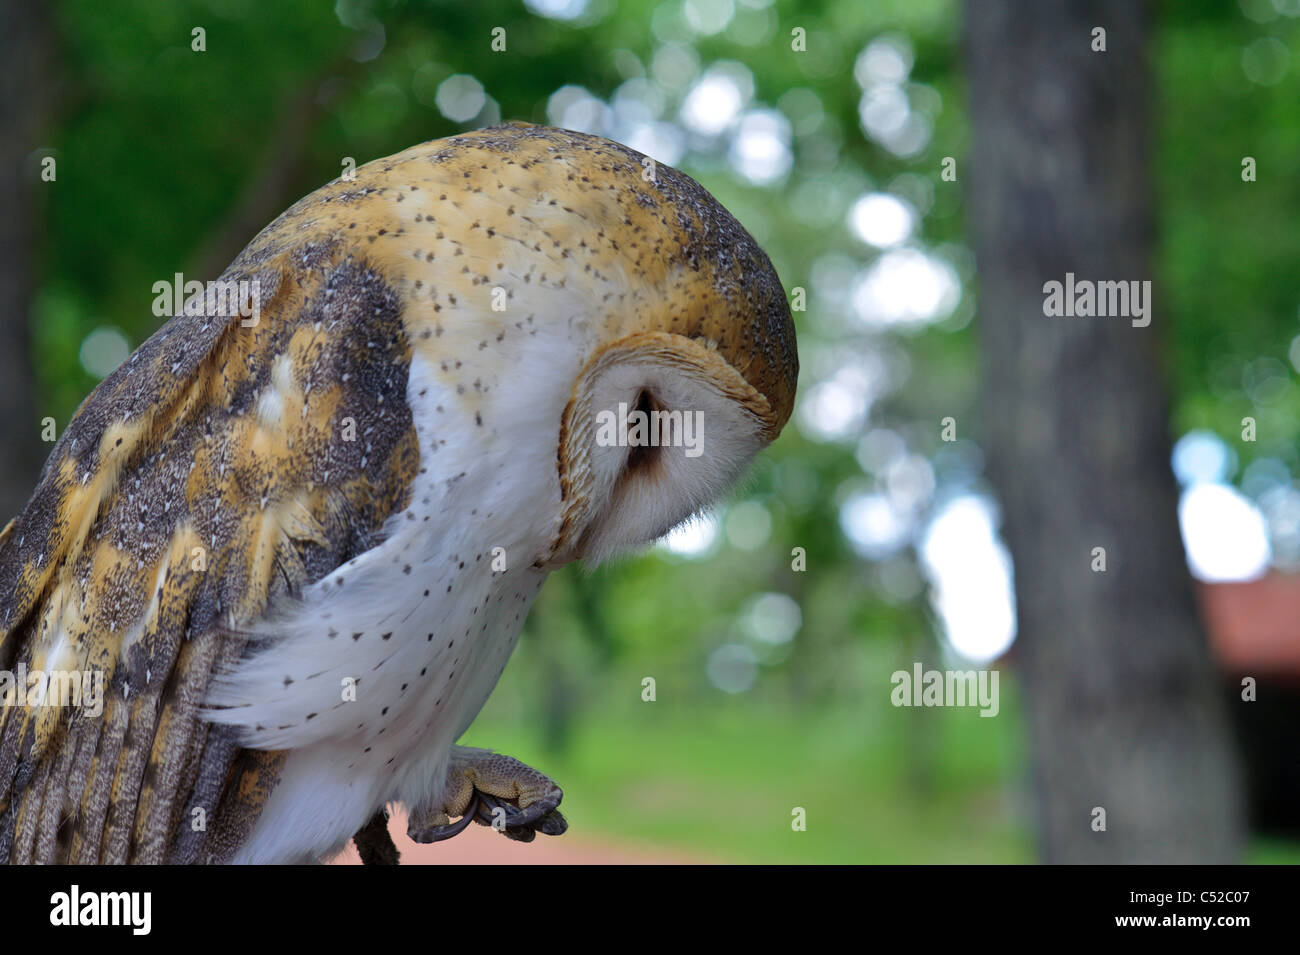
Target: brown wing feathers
[(202, 480)]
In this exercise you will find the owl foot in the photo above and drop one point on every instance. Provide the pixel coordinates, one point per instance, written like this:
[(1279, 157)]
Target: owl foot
[(492, 790)]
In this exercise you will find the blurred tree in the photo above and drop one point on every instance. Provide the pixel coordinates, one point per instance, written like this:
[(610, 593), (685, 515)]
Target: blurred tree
[(1122, 707), (22, 108)]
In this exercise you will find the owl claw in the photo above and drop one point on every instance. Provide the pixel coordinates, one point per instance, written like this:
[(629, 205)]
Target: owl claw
[(496, 791), (429, 834), (522, 824)]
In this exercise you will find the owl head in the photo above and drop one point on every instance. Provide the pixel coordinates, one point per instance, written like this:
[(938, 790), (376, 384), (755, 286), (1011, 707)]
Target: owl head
[(689, 377)]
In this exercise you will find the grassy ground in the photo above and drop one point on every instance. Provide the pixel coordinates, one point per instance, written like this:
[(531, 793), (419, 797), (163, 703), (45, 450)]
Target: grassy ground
[(725, 784)]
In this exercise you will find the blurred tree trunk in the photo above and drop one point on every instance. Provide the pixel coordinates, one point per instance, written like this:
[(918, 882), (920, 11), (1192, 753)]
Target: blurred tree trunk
[(1121, 700), (22, 45)]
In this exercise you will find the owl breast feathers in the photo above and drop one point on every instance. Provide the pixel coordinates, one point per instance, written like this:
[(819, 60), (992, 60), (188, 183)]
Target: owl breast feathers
[(295, 547)]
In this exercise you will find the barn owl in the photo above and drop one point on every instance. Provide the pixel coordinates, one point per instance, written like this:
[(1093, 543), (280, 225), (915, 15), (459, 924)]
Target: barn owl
[(299, 543)]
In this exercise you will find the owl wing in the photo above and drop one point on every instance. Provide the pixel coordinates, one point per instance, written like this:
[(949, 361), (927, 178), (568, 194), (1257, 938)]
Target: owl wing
[(227, 463)]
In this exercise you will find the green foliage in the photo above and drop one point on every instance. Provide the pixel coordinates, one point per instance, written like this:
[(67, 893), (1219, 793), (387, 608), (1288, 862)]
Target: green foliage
[(1228, 249)]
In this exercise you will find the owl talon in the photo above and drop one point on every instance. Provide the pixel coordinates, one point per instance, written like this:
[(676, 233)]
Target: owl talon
[(487, 788)]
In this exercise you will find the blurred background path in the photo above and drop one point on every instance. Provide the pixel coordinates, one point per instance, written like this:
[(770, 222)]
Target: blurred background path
[(479, 845)]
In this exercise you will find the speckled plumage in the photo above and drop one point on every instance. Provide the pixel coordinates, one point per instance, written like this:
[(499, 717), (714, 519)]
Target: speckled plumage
[(240, 520)]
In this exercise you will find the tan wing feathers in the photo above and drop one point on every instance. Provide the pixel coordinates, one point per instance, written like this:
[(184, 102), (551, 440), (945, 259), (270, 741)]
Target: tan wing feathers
[(201, 481)]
